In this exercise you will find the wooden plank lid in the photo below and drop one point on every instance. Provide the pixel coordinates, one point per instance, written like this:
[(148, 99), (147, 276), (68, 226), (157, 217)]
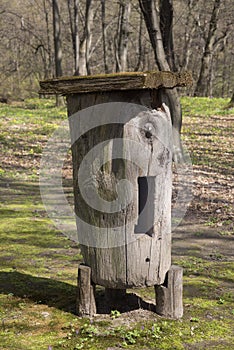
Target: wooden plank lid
[(117, 81)]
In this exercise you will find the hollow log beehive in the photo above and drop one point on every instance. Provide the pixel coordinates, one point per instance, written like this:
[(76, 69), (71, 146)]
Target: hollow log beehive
[(123, 193)]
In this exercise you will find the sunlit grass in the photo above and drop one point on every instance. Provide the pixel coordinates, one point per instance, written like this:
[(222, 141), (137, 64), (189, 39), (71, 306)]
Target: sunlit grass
[(39, 265)]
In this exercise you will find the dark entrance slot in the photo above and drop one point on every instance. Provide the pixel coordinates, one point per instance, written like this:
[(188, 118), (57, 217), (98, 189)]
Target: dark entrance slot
[(142, 193), (146, 194)]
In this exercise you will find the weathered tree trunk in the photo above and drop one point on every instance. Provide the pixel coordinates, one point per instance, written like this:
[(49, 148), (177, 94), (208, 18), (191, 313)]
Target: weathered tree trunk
[(170, 97), (122, 36), (202, 87), (129, 245), (122, 175)]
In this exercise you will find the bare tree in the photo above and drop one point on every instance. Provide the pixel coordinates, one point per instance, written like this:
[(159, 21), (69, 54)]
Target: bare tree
[(171, 97), (122, 36), (104, 36), (140, 45), (57, 39), (227, 66), (73, 10), (185, 55), (86, 41), (202, 86), (27, 53), (166, 23), (76, 38), (48, 51), (57, 46)]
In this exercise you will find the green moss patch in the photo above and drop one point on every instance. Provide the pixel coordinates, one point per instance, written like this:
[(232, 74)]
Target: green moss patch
[(39, 265)]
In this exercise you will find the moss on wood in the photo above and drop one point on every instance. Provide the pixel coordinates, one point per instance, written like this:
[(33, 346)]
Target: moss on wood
[(116, 81)]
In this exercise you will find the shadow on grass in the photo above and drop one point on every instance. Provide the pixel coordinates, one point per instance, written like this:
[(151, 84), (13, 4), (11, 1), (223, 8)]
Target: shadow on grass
[(28, 189), (40, 290), (18, 191), (62, 295)]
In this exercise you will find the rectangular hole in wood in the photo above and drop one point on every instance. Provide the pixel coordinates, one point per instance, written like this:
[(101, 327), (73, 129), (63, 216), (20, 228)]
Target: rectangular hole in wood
[(146, 194)]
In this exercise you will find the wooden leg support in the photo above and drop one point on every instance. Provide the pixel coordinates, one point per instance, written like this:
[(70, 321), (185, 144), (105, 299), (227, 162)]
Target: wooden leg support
[(169, 296), (86, 305)]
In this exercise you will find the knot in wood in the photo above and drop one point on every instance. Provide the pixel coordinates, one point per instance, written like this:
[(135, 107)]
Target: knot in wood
[(148, 128)]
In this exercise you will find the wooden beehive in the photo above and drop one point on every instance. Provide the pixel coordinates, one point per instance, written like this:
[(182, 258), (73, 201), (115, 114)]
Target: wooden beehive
[(130, 247)]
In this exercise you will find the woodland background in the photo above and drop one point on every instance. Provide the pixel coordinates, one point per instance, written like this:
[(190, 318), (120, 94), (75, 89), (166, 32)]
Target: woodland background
[(98, 36)]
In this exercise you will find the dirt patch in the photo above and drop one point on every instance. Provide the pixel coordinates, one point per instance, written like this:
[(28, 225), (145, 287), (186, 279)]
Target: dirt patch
[(198, 239)]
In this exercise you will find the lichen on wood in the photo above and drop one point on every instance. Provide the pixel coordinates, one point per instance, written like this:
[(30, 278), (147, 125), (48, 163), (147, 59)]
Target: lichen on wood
[(116, 81)]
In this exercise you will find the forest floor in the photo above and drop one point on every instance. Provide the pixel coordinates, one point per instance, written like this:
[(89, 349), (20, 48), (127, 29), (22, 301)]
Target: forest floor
[(38, 268)]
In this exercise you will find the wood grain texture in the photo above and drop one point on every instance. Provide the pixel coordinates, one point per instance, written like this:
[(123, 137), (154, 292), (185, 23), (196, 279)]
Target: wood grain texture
[(117, 81), (86, 305), (131, 258), (169, 296)]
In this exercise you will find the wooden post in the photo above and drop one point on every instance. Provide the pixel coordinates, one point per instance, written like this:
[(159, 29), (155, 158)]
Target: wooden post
[(86, 305), (169, 296)]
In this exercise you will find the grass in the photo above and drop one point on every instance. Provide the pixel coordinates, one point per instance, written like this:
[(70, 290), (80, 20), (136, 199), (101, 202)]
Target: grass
[(39, 265)]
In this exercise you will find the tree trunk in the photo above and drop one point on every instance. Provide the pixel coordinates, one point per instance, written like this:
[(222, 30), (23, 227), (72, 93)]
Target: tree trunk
[(231, 103), (202, 87), (104, 35), (166, 23), (170, 97), (74, 27), (232, 99), (57, 39), (140, 48), (76, 36), (85, 44), (57, 46), (88, 29), (188, 37), (48, 66), (122, 36)]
